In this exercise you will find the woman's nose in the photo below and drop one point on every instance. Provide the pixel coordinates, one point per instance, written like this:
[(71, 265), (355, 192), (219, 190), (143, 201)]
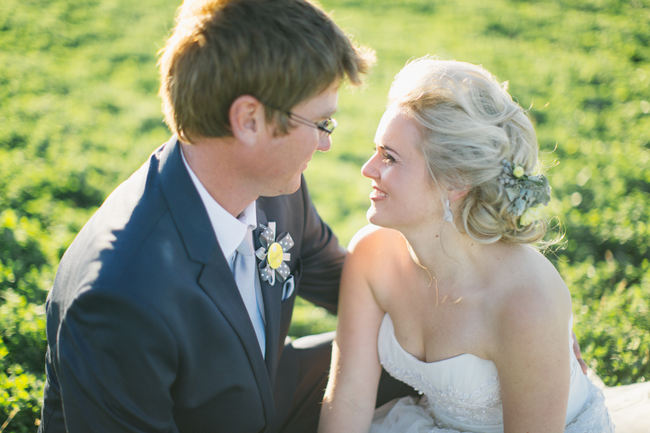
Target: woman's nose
[(369, 169)]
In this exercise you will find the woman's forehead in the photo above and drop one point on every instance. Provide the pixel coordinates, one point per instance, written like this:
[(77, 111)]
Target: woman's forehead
[(397, 130)]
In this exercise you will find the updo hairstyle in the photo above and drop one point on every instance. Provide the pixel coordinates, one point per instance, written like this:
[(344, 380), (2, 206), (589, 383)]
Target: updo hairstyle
[(470, 124)]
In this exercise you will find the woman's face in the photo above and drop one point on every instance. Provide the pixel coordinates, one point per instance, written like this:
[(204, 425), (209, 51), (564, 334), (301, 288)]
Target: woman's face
[(403, 193)]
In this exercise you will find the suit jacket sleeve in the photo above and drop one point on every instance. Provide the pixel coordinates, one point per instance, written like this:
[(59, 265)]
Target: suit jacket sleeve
[(322, 259), (111, 378)]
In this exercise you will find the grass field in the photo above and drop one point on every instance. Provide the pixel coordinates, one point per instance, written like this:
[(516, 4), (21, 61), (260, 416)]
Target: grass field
[(79, 112), (582, 70)]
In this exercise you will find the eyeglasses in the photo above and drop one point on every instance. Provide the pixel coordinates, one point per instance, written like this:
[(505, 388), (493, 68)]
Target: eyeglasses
[(327, 126)]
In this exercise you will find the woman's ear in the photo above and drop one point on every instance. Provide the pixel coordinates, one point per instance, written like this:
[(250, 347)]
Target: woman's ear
[(456, 194), (247, 119)]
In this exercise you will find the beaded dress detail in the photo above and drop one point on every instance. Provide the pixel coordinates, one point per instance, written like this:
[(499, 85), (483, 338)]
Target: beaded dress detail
[(462, 394)]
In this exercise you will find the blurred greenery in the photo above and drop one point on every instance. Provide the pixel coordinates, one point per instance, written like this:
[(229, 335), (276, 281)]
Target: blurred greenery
[(79, 113)]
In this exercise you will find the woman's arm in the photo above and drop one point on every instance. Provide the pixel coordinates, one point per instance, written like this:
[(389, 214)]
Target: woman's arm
[(349, 400), (532, 354)]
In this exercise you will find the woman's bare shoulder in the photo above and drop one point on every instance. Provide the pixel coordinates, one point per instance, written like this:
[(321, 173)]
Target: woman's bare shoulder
[(376, 243), (376, 252), (372, 236), (533, 292)]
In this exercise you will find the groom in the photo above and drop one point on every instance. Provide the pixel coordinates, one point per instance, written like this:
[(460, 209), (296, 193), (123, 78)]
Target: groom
[(170, 309)]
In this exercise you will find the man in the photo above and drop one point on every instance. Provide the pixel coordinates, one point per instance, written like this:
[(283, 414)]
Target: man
[(170, 309)]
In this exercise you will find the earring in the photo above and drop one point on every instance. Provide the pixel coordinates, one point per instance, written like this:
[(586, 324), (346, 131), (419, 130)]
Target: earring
[(448, 216)]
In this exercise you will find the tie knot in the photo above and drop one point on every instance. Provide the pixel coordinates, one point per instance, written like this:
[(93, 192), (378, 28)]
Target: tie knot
[(245, 247)]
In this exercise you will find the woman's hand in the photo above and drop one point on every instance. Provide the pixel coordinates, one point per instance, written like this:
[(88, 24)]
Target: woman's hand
[(576, 350)]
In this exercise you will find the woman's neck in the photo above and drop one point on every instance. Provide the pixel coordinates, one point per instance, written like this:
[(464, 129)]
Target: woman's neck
[(442, 250)]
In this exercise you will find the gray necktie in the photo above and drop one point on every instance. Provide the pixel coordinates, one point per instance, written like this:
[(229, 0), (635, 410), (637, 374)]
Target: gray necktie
[(249, 286)]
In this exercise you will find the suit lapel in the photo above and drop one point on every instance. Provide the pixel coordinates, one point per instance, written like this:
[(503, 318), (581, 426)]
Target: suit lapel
[(216, 279), (218, 283), (272, 295)]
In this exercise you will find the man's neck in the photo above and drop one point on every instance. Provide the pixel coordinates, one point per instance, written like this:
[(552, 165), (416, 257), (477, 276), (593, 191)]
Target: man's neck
[(216, 164)]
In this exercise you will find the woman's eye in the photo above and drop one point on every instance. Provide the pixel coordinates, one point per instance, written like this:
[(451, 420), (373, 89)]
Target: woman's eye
[(387, 158)]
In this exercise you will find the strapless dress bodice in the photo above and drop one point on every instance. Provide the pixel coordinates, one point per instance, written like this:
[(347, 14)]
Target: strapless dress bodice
[(462, 392)]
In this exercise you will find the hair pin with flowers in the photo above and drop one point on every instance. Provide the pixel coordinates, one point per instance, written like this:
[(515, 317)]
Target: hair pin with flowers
[(526, 193), (272, 254)]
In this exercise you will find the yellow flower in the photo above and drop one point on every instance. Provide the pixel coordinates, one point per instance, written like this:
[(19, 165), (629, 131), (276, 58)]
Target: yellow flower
[(518, 171), (273, 254)]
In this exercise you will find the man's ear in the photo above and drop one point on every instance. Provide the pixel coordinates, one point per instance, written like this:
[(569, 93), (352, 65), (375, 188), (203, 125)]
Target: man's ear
[(247, 120)]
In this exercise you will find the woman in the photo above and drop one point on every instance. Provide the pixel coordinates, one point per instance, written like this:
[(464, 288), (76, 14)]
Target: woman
[(447, 294)]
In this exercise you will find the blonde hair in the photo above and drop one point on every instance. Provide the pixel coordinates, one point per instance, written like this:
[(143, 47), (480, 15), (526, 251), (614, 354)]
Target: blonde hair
[(470, 124), (280, 51)]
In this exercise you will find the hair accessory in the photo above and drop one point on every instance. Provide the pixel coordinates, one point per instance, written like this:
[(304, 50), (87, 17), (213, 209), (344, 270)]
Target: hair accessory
[(523, 191), (448, 216)]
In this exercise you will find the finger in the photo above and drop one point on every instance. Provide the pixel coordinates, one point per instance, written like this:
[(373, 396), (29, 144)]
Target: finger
[(576, 350), (583, 365)]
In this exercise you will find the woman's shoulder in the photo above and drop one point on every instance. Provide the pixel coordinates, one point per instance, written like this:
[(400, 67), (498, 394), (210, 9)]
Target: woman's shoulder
[(532, 290), (525, 270), (376, 252), (371, 236), (376, 243)]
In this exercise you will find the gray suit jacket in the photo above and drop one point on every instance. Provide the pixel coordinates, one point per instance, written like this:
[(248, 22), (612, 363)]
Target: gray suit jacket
[(146, 328)]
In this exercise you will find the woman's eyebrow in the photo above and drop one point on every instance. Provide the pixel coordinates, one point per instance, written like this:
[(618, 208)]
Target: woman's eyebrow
[(388, 148)]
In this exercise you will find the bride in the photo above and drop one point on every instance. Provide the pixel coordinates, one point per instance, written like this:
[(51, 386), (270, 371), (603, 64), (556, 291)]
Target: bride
[(446, 291)]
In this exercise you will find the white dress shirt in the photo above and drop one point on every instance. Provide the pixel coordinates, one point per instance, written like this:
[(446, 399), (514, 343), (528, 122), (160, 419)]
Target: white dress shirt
[(230, 232)]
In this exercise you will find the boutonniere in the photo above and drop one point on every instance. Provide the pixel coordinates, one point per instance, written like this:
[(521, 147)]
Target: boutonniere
[(273, 255)]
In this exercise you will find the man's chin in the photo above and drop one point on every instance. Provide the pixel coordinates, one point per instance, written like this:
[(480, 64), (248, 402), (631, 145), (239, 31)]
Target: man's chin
[(287, 189), (294, 185)]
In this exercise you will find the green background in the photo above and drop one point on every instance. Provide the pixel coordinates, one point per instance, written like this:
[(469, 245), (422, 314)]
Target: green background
[(79, 112)]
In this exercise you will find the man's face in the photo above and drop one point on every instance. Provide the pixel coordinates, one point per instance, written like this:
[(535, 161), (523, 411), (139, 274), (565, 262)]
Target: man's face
[(284, 158)]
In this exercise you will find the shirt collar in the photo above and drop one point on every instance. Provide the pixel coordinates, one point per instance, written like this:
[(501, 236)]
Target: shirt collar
[(230, 231)]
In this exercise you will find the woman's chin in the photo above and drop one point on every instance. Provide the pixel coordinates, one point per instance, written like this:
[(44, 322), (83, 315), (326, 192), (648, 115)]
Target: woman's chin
[(371, 214), (373, 217)]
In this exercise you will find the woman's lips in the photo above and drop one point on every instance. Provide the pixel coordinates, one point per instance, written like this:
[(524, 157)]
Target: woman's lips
[(377, 194)]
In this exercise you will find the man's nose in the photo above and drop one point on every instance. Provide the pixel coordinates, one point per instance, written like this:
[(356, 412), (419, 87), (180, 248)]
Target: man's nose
[(324, 142)]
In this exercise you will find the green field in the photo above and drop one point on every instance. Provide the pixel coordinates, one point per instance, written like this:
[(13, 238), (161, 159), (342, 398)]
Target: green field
[(79, 112)]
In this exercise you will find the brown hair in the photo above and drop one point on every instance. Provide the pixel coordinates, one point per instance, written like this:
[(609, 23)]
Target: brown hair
[(280, 51)]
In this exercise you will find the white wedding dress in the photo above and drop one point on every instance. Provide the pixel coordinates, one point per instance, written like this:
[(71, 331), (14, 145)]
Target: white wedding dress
[(461, 394)]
